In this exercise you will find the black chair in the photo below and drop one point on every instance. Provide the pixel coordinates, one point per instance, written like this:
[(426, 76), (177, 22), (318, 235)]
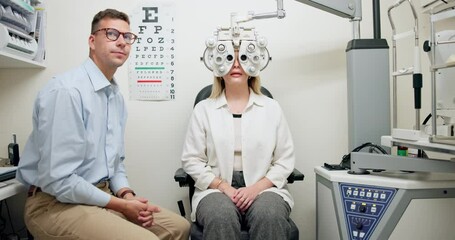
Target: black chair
[(185, 180)]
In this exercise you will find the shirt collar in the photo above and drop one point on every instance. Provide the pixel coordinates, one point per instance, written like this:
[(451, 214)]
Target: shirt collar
[(254, 99), (97, 78)]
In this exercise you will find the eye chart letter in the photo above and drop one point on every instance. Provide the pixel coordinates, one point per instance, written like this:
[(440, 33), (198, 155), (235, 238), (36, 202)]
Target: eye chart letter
[(152, 58)]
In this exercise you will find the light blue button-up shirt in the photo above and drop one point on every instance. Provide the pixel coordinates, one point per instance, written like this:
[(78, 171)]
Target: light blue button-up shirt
[(79, 119)]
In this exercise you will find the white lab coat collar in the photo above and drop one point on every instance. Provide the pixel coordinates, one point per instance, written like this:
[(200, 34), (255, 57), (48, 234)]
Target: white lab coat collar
[(221, 101)]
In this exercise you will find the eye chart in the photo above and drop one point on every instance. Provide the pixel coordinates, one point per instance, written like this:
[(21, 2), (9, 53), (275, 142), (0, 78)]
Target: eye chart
[(152, 58)]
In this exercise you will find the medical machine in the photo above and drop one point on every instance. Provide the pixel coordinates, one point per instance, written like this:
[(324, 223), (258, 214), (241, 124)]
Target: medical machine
[(219, 54), (414, 70), (17, 25), (437, 136), (351, 9), (368, 91), (441, 50), (387, 205), (445, 84), (436, 5), (375, 199), (367, 76), (252, 48), (442, 55), (17, 43)]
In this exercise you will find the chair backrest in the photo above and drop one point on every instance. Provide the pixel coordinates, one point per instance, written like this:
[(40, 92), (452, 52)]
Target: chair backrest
[(207, 90)]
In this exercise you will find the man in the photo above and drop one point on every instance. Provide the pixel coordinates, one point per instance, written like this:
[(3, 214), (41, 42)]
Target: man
[(73, 160)]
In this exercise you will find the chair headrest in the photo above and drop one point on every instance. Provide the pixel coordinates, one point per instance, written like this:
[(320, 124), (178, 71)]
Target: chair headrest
[(207, 90)]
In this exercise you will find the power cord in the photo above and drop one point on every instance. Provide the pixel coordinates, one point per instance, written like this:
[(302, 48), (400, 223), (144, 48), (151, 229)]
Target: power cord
[(346, 159)]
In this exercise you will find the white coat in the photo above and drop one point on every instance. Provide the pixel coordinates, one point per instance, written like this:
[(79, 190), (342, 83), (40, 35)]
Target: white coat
[(267, 146)]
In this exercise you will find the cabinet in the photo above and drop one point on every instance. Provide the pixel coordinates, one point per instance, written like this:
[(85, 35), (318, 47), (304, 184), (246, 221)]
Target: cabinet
[(22, 30)]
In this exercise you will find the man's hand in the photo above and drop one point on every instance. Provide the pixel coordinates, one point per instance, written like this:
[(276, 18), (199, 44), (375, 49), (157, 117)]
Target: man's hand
[(146, 216), (135, 209)]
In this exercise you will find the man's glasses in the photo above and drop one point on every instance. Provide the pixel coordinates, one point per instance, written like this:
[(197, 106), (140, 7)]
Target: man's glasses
[(113, 34)]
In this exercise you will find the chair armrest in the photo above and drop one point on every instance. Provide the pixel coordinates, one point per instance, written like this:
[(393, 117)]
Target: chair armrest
[(296, 175), (183, 178)]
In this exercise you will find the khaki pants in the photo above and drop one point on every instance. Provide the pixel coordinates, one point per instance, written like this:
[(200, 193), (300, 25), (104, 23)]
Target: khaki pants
[(48, 219)]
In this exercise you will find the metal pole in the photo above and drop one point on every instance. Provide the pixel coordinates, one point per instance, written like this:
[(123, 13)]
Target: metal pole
[(376, 19)]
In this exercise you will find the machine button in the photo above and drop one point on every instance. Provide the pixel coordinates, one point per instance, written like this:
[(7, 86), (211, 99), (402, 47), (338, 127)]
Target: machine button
[(355, 233), (353, 206), (355, 193), (383, 196), (362, 208), (359, 226), (362, 234), (375, 195), (362, 194), (373, 209), (368, 194)]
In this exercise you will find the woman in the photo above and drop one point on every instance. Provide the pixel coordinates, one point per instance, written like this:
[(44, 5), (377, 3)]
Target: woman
[(239, 151)]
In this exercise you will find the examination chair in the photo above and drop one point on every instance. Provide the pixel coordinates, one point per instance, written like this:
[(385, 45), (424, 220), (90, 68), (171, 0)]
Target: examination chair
[(185, 180)]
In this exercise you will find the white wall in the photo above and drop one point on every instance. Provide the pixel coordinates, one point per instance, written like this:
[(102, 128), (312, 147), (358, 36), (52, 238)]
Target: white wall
[(307, 76)]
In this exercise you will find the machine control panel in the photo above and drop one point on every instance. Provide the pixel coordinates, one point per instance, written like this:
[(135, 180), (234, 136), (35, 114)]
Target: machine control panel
[(363, 207)]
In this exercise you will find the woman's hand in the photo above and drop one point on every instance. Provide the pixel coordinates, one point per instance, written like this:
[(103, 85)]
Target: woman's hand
[(244, 197), (228, 190)]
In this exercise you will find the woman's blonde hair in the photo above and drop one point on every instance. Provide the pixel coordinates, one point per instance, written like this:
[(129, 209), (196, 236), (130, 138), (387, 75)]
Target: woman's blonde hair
[(219, 86)]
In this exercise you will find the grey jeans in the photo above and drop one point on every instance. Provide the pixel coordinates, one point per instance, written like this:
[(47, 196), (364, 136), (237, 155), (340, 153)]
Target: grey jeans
[(267, 217)]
